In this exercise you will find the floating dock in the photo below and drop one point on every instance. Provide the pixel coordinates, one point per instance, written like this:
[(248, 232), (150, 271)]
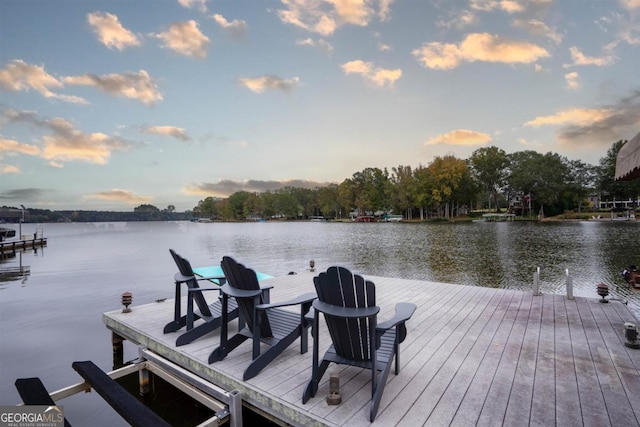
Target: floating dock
[(472, 356)]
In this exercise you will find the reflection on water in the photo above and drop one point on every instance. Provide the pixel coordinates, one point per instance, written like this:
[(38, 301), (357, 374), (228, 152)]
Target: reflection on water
[(10, 272), (52, 317)]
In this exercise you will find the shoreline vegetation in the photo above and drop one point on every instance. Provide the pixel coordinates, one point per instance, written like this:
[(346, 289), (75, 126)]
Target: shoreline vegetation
[(527, 185), (38, 216)]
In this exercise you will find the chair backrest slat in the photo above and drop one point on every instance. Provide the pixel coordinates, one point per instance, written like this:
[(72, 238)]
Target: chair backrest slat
[(240, 277), (184, 267), (338, 286)]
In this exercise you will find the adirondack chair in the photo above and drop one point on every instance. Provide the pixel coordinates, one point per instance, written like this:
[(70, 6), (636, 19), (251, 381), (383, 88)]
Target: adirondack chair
[(348, 303), (211, 314), (265, 323)]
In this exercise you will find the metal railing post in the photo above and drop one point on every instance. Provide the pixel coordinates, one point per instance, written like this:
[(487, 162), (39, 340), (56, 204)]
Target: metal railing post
[(569, 285), (536, 282)]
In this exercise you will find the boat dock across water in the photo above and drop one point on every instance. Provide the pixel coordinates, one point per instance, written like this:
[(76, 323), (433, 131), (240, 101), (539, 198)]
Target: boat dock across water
[(472, 356)]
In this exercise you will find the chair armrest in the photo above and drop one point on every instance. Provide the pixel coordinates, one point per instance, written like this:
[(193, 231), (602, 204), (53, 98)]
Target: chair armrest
[(239, 293), (302, 299), (179, 278), (217, 288), (404, 311), (345, 312)]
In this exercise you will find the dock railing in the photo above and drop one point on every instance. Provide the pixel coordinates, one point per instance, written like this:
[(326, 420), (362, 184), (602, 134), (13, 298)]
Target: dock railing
[(568, 281)]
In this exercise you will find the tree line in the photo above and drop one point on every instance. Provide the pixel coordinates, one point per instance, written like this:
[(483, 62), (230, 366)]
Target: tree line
[(544, 184)]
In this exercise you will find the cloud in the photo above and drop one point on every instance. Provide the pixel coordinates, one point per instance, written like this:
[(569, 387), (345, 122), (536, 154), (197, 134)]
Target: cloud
[(110, 32), (201, 5), (9, 147), (461, 20), (508, 6), (384, 11), (324, 17), (378, 76), (139, 86), (20, 76), (322, 44), (573, 80), (630, 4), (186, 39), (24, 194), (56, 165), (596, 126), (9, 169), (478, 47), (268, 82), (580, 58), (581, 116), (176, 132), (118, 195), (69, 144), (461, 137), (539, 28), (236, 28), (225, 188), (64, 143)]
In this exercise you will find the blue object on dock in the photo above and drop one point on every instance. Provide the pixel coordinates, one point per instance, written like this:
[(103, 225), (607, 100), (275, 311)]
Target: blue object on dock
[(216, 271)]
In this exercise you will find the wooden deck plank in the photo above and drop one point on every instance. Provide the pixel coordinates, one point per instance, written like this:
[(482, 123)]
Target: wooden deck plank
[(520, 400), (473, 356), (566, 378), (592, 406), (423, 355), (543, 407), (448, 360), (615, 399), (479, 336)]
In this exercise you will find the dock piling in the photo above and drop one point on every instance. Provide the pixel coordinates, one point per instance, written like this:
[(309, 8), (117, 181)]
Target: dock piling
[(118, 350), (143, 382)]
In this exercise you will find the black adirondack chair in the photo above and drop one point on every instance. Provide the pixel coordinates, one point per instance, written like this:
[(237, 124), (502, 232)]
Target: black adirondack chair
[(265, 323), (348, 303), (210, 314)]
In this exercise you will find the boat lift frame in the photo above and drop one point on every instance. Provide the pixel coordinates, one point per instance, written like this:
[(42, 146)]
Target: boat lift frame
[(226, 405)]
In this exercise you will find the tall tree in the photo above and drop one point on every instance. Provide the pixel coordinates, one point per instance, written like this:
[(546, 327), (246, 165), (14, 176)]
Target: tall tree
[(489, 167), (403, 189), (541, 177), (328, 201), (580, 182), (447, 173)]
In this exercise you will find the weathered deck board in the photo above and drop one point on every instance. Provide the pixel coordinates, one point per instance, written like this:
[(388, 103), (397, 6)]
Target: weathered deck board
[(473, 356)]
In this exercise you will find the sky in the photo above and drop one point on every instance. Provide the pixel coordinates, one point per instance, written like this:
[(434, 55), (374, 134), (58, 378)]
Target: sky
[(107, 105)]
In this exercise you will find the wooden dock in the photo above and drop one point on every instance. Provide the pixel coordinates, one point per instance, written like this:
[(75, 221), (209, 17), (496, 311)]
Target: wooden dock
[(473, 356), (18, 245)]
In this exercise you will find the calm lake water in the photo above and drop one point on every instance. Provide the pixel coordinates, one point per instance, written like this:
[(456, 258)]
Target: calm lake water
[(52, 317)]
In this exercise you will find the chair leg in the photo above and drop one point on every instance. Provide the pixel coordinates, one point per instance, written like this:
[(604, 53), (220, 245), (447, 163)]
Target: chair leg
[(221, 352), (379, 389), (263, 359), (175, 325), (178, 320), (316, 375), (203, 329)]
